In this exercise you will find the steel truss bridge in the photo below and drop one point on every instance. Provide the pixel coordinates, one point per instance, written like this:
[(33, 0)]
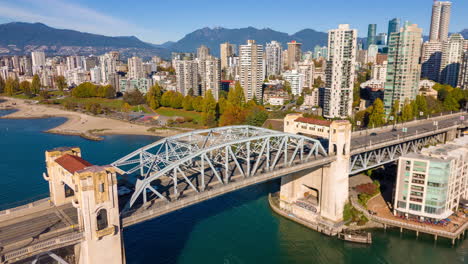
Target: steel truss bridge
[(199, 161)]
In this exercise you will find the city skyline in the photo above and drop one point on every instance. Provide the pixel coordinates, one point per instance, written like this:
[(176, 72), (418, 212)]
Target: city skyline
[(139, 20)]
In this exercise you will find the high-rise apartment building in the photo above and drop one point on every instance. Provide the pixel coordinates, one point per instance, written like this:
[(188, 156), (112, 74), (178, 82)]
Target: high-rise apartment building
[(452, 58), (307, 68), (393, 26), (187, 76), (212, 76), (135, 68), (431, 185), (108, 65), (38, 58), (342, 47), (273, 54), (440, 20), (296, 80), (431, 59), (251, 69), (294, 54), (75, 62), (463, 76), (320, 52), (203, 52), (371, 35), (226, 51), (379, 72), (403, 69)]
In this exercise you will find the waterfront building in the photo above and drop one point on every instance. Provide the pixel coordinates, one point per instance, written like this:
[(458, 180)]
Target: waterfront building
[(296, 80), (431, 184), (251, 69), (187, 76), (440, 20), (340, 72), (431, 59), (403, 69), (135, 68), (273, 58), (226, 50), (371, 35), (452, 58), (294, 54)]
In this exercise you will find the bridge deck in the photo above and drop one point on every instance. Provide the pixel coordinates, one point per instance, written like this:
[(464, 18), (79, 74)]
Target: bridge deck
[(37, 226)]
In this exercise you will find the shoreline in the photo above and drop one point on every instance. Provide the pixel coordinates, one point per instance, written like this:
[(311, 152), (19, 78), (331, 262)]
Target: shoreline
[(78, 124)]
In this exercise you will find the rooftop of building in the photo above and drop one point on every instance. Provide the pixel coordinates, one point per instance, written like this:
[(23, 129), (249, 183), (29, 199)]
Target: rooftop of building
[(72, 163), (442, 152), (313, 121)]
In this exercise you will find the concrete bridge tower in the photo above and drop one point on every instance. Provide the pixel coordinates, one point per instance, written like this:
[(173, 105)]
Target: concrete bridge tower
[(93, 192), (321, 192)]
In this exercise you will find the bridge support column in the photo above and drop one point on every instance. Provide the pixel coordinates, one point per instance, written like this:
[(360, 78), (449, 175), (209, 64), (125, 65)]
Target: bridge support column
[(336, 180), (98, 212), (451, 135)]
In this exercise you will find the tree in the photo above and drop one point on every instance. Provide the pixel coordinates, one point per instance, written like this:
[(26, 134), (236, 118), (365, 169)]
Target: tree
[(10, 87), (377, 116), (2, 84), (60, 82), (407, 112), (395, 112), (318, 83), (421, 105), (209, 109), (197, 104), (433, 105), (153, 97), (236, 96), (110, 91), (176, 100), (166, 98), (256, 116), (232, 115), (134, 97), (25, 87), (451, 103), (126, 108), (187, 104), (300, 100), (35, 84)]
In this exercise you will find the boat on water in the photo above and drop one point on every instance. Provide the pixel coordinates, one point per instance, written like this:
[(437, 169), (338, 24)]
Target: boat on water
[(357, 237)]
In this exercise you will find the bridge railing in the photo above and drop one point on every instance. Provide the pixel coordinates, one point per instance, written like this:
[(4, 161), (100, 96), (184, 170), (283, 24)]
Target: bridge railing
[(49, 244), (434, 117), (25, 204)]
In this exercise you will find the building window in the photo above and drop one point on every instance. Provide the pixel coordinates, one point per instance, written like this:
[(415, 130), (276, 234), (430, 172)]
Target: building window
[(68, 191), (415, 207), (101, 219), (429, 210)]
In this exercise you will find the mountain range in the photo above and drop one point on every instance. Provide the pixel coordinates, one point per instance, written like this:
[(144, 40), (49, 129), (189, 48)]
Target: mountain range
[(19, 38)]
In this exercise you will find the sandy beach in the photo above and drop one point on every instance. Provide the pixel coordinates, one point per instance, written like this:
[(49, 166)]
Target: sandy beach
[(78, 123)]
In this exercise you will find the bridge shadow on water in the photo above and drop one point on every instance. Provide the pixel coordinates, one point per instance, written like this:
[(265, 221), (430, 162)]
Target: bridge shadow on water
[(163, 239)]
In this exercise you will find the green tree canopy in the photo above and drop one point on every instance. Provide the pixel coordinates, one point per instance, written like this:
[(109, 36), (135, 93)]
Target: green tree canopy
[(236, 96), (35, 84), (377, 116), (209, 109), (60, 82)]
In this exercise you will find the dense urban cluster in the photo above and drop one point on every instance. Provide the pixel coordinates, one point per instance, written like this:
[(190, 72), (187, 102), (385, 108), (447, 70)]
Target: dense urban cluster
[(388, 77)]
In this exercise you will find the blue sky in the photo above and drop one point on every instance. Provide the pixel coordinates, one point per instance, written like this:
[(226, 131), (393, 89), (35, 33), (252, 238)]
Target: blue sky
[(158, 21)]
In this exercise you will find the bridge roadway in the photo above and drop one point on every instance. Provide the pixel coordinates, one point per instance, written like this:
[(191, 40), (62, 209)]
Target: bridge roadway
[(30, 227)]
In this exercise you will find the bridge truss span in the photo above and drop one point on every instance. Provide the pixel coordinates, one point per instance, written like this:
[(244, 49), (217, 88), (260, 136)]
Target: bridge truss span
[(362, 160), (193, 162)]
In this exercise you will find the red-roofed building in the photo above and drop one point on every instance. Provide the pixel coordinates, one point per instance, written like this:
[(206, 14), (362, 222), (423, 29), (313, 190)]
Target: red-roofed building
[(297, 124), (72, 163)]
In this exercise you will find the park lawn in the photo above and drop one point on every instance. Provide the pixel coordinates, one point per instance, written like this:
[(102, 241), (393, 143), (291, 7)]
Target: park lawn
[(110, 103), (166, 111)]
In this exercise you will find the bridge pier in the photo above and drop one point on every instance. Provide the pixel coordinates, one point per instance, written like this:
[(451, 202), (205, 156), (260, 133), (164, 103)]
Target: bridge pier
[(93, 192), (328, 185)]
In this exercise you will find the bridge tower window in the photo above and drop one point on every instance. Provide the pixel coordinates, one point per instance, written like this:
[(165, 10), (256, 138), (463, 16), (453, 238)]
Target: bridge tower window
[(101, 219)]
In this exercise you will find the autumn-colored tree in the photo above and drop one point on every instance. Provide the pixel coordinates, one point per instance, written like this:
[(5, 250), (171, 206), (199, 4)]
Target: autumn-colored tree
[(176, 100), (60, 82), (166, 98), (232, 115), (377, 116), (197, 104), (2, 84), (187, 104), (407, 111), (209, 109), (35, 84), (236, 96), (256, 115), (153, 97)]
